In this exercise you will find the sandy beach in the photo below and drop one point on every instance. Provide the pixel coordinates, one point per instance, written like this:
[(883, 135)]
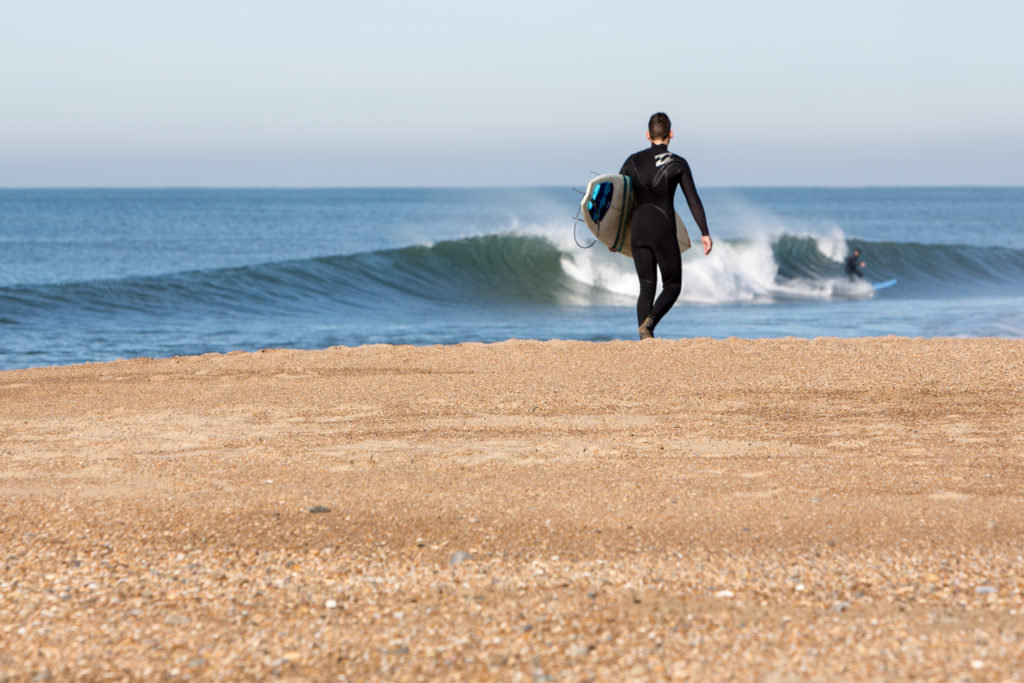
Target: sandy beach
[(788, 509)]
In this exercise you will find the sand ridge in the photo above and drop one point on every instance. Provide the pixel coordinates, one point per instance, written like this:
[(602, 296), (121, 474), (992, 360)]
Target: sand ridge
[(769, 509)]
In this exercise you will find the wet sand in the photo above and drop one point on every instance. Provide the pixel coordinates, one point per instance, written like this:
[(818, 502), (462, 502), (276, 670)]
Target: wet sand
[(770, 510)]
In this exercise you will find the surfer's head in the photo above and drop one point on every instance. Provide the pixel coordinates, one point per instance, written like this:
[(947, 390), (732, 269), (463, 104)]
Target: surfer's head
[(659, 128)]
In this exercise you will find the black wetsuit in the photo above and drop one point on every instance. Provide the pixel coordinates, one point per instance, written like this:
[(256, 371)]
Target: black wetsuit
[(655, 173), (851, 266)]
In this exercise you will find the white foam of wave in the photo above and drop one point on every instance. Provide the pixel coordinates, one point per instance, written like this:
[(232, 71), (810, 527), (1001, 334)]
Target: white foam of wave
[(740, 269), (746, 270), (594, 266), (739, 272)]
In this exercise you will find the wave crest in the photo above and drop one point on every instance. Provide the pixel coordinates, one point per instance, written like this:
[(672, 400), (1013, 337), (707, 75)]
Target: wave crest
[(515, 269)]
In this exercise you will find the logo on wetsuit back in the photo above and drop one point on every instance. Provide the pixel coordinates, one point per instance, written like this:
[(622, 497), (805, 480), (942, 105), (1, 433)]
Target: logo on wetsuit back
[(662, 159)]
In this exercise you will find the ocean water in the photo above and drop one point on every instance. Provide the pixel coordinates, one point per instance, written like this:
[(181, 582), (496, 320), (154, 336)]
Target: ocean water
[(95, 275)]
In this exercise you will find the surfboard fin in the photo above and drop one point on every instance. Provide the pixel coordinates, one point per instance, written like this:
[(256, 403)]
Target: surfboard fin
[(576, 220)]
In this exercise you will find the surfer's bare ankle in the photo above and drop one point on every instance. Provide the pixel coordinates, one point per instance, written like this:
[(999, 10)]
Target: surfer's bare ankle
[(646, 329)]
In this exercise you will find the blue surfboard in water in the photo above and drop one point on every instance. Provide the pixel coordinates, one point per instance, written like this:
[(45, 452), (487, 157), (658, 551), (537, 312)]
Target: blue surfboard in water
[(883, 285)]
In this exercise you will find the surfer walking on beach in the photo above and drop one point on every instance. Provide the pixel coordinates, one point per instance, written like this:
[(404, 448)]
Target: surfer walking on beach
[(854, 264), (655, 173)]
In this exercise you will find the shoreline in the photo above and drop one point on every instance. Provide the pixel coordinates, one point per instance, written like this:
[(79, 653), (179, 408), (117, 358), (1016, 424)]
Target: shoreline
[(517, 340), (772, 508)]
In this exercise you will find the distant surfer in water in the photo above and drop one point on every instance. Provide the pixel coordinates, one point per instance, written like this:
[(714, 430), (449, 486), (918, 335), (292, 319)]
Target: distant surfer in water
[(655, 173), (854, 264)]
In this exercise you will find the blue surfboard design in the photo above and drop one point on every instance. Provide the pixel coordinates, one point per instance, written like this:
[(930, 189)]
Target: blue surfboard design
[(883, 285)]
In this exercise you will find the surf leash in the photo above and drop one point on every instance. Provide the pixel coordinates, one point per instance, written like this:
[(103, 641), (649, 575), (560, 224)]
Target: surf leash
[(576, 220)]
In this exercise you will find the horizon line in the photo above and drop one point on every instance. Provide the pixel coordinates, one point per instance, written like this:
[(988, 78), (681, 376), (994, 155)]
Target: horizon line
[(15, 188)]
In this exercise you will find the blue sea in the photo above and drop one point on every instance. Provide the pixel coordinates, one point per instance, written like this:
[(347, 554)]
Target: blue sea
[(95, 274)]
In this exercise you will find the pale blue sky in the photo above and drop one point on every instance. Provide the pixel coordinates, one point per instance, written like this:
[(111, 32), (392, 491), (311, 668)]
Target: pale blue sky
[(317, 93)]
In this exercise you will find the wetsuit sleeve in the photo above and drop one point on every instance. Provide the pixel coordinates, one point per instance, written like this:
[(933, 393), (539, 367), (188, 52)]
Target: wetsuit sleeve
[(693, 199)]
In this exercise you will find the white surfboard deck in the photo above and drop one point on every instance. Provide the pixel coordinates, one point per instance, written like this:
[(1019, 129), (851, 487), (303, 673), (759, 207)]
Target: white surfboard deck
[(607, 209)]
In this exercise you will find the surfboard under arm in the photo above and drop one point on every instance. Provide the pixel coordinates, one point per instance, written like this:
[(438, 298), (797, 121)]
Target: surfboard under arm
[(607, 208)]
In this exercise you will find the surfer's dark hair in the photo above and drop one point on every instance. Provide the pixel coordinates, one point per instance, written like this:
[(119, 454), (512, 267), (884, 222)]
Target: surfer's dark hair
[(659, 126)]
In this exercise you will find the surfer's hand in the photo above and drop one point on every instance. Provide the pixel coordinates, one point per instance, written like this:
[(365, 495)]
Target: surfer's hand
[(706, 240)]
